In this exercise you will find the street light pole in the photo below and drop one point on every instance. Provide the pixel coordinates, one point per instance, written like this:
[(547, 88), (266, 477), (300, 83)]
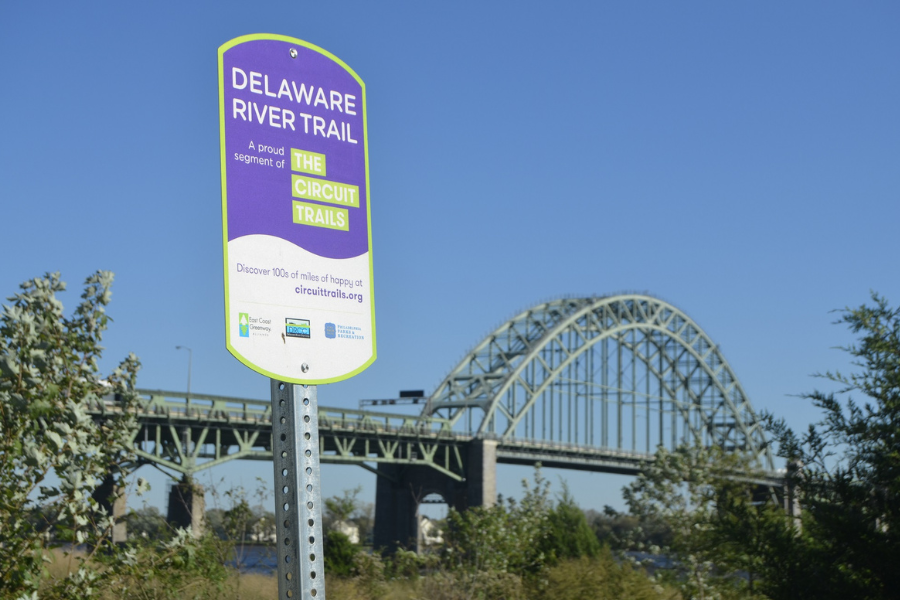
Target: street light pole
[(190, 360), (186, 432)]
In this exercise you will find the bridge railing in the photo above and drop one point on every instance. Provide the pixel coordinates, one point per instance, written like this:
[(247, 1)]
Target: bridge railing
[(349, 419), (206, 407)]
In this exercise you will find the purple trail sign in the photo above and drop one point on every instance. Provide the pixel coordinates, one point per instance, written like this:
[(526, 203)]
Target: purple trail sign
[(297, 238)]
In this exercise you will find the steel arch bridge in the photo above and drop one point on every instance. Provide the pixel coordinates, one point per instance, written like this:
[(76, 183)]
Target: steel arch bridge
[(626, 373), (581, 383), (578, 383)]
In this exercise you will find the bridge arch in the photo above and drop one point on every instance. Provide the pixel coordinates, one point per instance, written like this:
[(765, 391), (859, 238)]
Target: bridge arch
[(626, 372)]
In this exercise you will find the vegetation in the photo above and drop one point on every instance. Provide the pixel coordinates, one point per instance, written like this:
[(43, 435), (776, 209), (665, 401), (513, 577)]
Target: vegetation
[(847, 474), (48, 378), (148, 523), (568, 533), (340, 554), (348, 508), (233, 519), (844, 472), (54, 458), (624, 531), (712, 518), (528, 548), (510, 537), (723, 537)]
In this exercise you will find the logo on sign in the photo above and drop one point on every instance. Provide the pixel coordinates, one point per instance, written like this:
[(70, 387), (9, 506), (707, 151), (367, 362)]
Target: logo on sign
[(244, 324), (330, 331), (298, 328)]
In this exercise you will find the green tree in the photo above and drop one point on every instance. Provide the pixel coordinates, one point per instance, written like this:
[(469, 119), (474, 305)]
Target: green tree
[(364, 518), (240, 525), (149, 523), (509, 537), (568, 533), (698, 493), (237, 521), (54, 456), (341, 508), (849, 477), (845, 471), (49, 378), (340, 554), (623, 531), (215, 522), (349, 509)]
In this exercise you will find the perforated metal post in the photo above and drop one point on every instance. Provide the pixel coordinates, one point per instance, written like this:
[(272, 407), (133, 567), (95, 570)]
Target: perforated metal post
[(298, 496)]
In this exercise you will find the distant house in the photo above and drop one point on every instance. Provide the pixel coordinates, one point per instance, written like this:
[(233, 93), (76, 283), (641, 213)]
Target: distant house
[(348, 529), (263, 532), (429, 532)]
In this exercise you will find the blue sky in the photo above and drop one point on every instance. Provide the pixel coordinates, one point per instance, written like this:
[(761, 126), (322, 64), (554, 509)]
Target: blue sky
[(739, 160)]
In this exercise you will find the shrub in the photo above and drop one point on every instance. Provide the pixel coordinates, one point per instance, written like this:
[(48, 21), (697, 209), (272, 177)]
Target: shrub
[(340, 554), (598, 578), (569, 534), (49, 380)]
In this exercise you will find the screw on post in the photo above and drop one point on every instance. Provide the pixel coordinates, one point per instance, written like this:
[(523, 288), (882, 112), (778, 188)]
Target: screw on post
[(298, 495)]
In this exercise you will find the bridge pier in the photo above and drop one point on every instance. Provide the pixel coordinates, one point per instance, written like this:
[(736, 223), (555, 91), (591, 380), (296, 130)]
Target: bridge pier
[(111, 496), (187, 505), (402, 488)]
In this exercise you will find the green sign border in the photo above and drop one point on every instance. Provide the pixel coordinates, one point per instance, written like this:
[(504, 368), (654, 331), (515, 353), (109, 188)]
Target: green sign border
[(283, 38)]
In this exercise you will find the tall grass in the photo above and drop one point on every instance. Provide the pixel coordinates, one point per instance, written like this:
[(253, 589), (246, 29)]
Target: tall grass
[(600, 578), (238, 586)]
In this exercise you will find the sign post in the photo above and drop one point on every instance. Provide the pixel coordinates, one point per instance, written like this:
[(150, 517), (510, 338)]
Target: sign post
[(298, 497), (299, 293)]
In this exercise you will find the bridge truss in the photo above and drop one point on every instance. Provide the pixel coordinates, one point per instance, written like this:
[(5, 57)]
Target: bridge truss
[(187, 433), (624, 374), (581, 383)]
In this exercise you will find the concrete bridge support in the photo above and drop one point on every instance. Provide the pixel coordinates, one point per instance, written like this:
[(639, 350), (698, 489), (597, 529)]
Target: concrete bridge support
[(112, 497), (187, 506), (402, 488)]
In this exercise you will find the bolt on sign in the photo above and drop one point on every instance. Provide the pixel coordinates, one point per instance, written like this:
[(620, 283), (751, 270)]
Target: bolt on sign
[(299, 301)]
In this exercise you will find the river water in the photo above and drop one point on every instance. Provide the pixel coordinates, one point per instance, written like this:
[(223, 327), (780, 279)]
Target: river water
[(254, 559)]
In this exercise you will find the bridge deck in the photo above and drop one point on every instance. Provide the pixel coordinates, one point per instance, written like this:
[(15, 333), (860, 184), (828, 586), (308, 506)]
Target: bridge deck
[(189, 433)]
